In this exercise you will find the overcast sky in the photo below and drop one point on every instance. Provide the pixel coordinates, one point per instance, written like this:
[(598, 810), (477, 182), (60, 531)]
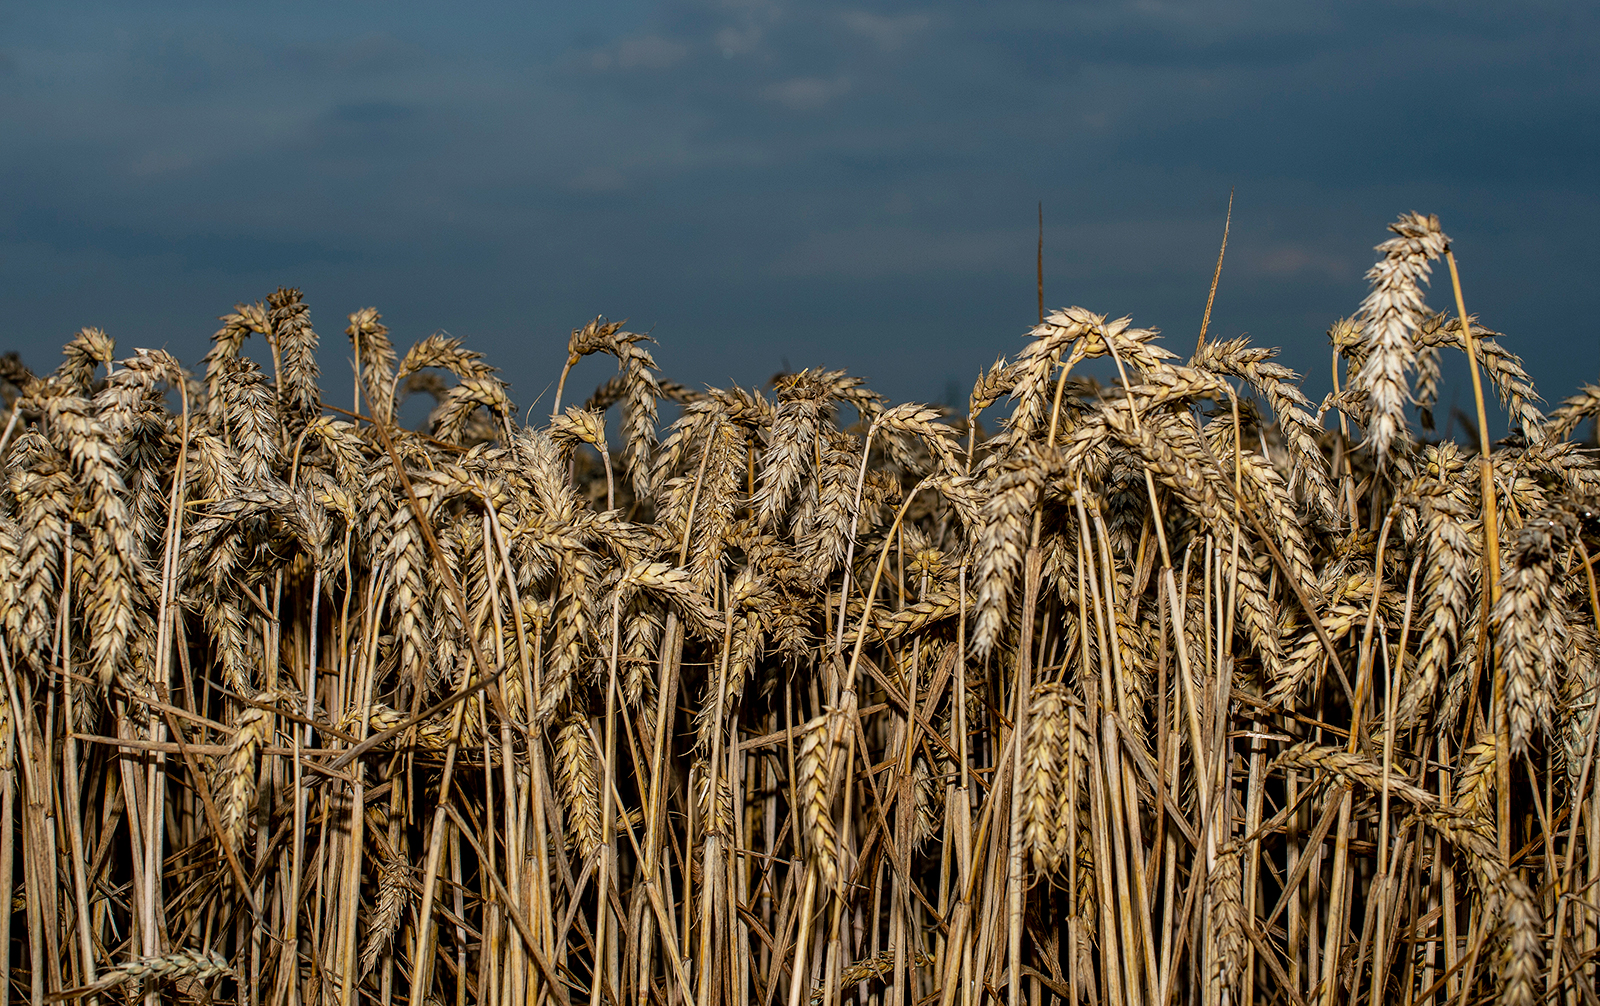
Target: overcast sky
[(763, 183)]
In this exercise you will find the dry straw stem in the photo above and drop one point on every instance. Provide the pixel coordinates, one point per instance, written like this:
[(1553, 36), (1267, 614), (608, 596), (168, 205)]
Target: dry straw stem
[(623, 750)]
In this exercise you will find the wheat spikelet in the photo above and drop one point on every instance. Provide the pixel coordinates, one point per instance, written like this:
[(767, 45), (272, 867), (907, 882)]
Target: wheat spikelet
[(813, 764), (15, 374), (1537, 469), (1572, 411), (171, 967), (578, 426), (594, 337), (1171, 450), (244, 406), (114, 577), (673, 584), (84, 353), (394, 896), (1354, 767), (132, 407), (42, 488), (641, 637), (449, 420), (1429, 377), (1452, 559), (1506, 900), (344, 448), (10, 565), (920, 421), (215, 550), (914, 618), (820, 538), (1089, 336), (228, 342), (716, 816), (1124, 498), (444, 352), (572, 618), (1530, 636), (1581, 691), (927, 802), (635, 386), (686, 439), (750, 409), (407, 556), (1475, 788), (1032, 374), (370, 338), (1002, 539), (1266, 493), (801, 401), (299, 398), (213, 468), (640, 391), (991, 386), (1223, 889), (379, 717), (1134, 346), (539, 468), (929, 565), (745, 651), (1390, 316), (1511, 382), (791, 626), (1521, 959), (1168, 386), (1044, 764), (868, 969), (578, 783), (236, 784)]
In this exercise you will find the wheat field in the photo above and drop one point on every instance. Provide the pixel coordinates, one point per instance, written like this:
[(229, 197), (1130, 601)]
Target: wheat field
[(1175, 688)]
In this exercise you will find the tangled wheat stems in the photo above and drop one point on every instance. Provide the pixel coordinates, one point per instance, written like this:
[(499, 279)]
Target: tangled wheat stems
[(1156, 692)]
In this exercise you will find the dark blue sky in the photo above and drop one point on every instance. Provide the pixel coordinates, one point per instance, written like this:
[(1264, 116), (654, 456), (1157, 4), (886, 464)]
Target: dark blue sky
[(814, 183)]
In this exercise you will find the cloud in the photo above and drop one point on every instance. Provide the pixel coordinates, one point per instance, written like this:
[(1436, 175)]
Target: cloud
[(161, 162), (372, 112), (877, 252), (1286, 260), (738, 40), (600, 178), (841, 144), (806, 94), (643, 52), (889, 32)]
